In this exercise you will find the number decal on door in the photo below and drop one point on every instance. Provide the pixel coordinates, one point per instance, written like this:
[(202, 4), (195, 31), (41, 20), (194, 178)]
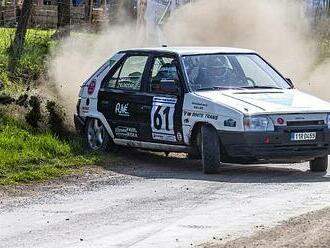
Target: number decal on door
[(162, 118)]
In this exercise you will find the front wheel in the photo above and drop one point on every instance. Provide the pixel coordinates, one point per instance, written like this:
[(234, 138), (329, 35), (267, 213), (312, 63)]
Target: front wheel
[(96, 136), (210, 149), (319, 164)]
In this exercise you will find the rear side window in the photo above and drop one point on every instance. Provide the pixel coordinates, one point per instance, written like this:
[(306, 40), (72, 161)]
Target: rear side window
[(128, 76)]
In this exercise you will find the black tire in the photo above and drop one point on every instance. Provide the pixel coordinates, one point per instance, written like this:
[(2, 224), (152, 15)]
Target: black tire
[(210, 150), (319, 164), (195, 153), (101, 142)]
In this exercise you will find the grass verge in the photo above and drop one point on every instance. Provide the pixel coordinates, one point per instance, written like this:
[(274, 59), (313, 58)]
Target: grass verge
[(28, 154)]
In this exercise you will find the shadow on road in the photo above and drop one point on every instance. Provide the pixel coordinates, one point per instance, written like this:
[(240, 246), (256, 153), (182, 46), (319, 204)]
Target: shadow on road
[(157, 165)]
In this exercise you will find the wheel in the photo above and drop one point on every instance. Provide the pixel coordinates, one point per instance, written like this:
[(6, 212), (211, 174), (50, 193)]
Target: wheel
[(210, 149), (96, 136), (319, 164), (195, 153)]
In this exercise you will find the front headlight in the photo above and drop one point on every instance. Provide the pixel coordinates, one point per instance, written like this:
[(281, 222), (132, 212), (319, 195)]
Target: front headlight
[(258, 123), (328, 119)]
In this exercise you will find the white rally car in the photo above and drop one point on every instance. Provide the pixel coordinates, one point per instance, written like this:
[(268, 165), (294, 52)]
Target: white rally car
[(218, 104)]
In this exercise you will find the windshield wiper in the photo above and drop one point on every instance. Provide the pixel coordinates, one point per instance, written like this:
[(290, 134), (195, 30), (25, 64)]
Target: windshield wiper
[(221, 88), (261, 87)]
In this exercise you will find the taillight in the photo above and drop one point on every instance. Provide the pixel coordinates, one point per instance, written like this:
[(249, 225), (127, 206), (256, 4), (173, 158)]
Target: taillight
[(91, 87)]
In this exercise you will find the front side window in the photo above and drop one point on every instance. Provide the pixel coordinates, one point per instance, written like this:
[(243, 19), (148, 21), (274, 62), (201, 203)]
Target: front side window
[(129, 75), (164, 73), (230, 71)]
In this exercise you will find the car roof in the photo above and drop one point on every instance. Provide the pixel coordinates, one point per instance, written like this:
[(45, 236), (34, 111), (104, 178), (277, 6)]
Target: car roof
[(191, 50)]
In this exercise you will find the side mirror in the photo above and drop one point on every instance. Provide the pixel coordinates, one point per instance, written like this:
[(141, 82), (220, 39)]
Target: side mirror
[(169, 86), (290, 82)]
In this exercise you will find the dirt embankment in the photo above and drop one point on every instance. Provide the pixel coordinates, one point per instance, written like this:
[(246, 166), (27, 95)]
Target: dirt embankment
[(309, 230)]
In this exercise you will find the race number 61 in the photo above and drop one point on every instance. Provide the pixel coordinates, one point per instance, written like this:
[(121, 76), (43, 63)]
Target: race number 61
[(162, 114)]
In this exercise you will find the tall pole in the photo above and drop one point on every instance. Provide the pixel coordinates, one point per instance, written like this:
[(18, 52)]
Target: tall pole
[(17, 45), (64, 18)]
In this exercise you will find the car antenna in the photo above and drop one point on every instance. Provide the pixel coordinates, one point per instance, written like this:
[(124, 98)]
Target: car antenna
[(164, 45)]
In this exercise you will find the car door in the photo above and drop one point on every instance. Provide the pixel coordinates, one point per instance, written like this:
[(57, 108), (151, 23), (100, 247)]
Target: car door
[(165, 100), (121, 99)]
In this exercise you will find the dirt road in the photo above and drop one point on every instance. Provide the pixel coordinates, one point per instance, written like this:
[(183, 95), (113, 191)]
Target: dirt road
[(308, 230), (148, 200)]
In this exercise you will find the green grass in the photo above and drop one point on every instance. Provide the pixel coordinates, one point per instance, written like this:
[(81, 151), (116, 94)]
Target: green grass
[(32, 62), (27, 154)]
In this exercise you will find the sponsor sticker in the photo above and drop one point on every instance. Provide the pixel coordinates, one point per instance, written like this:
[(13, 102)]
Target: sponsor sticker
[(179, 136), (202, 115), (122, 109), (187, 113), (164, 137), (280, 120), (91, 87), (127, 132), (126, 85), (230, 123), (211, 117), (198, 115), (85, 109), (199, 106)]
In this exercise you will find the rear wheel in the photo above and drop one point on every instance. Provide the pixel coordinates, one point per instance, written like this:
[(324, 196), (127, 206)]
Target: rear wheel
[(96, 136), (319, 164), (210, 150)]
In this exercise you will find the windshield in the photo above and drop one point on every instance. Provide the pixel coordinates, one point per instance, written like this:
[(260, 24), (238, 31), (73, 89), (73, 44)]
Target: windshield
[(231, 71)]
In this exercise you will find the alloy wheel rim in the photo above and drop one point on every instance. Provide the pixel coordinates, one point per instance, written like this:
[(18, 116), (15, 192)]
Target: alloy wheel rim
[(95, 134)]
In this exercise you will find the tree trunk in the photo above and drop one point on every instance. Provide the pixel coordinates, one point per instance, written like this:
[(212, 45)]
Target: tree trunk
[(17, 45), (64, 19), (88, 11)]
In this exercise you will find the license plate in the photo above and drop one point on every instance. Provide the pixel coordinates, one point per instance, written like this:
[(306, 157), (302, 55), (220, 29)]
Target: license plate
[(303, 136)]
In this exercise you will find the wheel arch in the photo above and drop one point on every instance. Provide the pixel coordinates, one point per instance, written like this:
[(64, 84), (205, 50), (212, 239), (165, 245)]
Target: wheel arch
[(196, 128), (101, 118)]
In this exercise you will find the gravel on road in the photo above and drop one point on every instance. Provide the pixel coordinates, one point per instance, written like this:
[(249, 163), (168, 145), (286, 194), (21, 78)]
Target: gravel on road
[(149, 200), (308, 230)]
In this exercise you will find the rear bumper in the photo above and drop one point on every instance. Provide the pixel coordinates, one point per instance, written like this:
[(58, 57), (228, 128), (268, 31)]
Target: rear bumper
[(79, 123), (274, 146)]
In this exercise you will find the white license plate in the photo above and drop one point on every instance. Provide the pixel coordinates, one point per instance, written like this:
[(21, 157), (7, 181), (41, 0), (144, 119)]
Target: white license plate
[(303, 136)]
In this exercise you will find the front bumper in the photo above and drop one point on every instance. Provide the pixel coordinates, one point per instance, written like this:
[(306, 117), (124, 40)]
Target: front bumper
[(275, 146)]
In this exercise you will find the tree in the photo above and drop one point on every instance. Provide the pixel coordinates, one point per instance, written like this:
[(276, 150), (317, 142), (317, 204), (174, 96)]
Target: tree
[(16, 48), (64, 18), (322, 7), (88, 10)]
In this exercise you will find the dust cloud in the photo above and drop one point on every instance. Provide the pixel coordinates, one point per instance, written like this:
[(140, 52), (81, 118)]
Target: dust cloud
[(77, 57), (277, 29)]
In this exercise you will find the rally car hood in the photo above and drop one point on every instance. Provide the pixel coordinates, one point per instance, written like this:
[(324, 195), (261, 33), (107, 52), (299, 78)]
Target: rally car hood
[(268, 101)]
